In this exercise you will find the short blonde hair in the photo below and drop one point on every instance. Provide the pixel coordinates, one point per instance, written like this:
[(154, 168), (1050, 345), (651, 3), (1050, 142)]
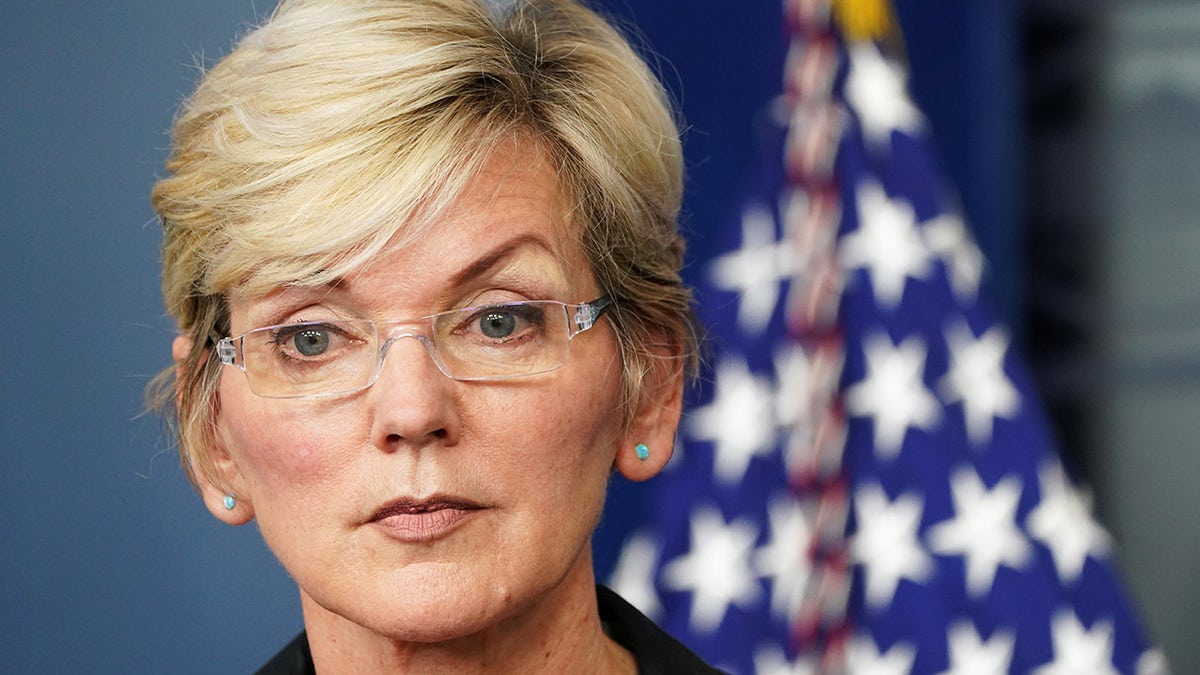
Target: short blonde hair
[(337, 128)]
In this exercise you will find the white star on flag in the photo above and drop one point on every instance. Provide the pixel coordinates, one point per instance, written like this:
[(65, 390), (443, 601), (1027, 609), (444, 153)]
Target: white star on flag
[(886, 542), (876, 90), (850, 332), (863, 658), (977, 379), (1077, 650), (633, 578), (893, 393), (770, 660), (739, 421), (947, 238), (887, 243), (1063, 522), (755, 271), (971, 655), (717, 569), (983, 530)]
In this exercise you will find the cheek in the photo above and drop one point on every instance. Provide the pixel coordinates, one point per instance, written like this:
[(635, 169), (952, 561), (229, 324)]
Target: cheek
[(276, 444), (567, 437)]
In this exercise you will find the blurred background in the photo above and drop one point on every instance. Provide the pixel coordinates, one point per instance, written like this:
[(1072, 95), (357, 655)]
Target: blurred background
[(1069, 127)]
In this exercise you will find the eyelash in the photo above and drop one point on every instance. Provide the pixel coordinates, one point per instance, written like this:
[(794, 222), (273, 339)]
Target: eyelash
[(287, 331), (501, 295)]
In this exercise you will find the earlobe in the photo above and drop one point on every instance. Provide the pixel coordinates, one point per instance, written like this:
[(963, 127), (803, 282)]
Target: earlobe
[(650, 442), (225, 493), (228, 504)]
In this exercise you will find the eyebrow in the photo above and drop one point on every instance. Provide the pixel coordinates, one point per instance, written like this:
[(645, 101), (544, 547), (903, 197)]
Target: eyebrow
[(477, 268), (498, 255)]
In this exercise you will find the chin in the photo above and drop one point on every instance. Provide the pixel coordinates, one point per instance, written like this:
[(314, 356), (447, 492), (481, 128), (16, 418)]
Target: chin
[(428, 610)]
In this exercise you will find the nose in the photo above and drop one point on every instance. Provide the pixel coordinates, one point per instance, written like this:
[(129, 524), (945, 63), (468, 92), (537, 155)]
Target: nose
[(413, 404)]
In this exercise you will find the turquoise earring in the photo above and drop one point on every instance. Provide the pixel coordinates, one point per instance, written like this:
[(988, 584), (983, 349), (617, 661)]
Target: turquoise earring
[(230, 502), (643, 452)]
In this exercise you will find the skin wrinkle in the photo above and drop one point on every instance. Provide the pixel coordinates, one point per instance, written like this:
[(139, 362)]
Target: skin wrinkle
[(282, 305), (203, 210), (535, 453), (332, 142)]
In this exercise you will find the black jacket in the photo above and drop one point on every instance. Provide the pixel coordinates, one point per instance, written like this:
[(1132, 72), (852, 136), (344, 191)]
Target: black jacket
[(655, 652)]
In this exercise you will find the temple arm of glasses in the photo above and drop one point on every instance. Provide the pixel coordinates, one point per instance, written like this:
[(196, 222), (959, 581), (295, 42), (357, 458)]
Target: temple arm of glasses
[(586, 314), (226, 351)]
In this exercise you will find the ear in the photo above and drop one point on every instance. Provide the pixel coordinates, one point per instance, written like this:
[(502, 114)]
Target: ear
[(180, 348), (214, 499), (227, 480), (655, 420)]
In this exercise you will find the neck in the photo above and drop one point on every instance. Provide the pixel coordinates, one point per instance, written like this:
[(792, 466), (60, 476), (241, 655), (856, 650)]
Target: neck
[(558, 633)]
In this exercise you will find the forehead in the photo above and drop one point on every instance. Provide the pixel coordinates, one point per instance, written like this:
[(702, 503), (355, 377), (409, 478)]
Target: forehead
[(332, 223), (515, 193), (511, 219), (510, 216)]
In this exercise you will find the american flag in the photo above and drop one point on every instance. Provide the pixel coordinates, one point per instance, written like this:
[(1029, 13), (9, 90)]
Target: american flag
[(867, 484)]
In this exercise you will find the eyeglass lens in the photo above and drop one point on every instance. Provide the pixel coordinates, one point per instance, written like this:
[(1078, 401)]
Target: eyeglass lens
[(478, 343)]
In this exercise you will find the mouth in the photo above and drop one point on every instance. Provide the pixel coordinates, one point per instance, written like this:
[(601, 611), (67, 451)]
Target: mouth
[(414, 520)]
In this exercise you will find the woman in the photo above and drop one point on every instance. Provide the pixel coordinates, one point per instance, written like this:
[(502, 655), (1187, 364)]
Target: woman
[(424, 261)]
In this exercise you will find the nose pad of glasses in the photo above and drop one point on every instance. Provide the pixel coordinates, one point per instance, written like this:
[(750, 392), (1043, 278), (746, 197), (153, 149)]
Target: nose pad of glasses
[(425, 341)]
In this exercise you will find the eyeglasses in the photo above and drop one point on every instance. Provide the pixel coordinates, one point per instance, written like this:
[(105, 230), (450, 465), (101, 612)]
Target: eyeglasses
[(327, 358)]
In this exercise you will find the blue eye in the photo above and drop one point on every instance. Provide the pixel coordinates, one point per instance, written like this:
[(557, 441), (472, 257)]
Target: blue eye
[(311, 342), (497, 325)]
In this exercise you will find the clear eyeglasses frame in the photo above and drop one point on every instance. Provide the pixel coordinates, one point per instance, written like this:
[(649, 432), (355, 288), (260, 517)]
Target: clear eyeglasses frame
[(329, 358)]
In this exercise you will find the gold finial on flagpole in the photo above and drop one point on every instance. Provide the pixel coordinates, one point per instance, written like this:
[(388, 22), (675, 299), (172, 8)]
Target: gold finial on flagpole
[(864, 19)]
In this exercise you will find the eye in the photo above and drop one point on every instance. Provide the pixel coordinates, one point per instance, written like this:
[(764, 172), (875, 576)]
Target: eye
[(497, 324), (311, 342)]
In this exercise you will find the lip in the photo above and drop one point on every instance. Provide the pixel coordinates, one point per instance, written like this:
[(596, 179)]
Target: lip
[(420, 520)]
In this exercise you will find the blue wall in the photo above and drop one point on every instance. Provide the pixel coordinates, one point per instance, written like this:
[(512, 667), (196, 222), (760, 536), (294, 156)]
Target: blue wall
[(108, 562)]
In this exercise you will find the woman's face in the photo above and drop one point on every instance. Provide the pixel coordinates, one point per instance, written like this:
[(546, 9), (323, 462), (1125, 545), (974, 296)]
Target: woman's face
[(426, 508)]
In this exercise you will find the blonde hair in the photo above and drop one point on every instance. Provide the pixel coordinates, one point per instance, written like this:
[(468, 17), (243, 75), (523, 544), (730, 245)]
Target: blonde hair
[(337, 128)]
